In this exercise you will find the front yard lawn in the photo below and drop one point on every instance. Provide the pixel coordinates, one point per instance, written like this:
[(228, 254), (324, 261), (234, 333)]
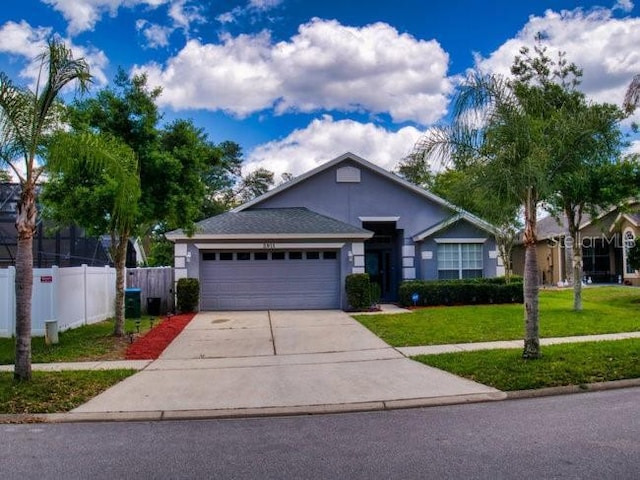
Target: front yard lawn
[(86, 343), (605, 310), (54, 392), (567, 364)]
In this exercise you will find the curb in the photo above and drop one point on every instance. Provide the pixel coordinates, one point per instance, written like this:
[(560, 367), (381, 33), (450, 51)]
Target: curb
[(569, 389), (384, 405), (146, 416)]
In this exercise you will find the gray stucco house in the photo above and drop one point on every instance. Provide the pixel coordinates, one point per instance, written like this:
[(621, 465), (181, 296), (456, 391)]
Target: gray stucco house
[(292, 247)]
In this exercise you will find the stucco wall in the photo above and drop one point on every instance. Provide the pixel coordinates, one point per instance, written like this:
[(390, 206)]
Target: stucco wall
[(460, 230)]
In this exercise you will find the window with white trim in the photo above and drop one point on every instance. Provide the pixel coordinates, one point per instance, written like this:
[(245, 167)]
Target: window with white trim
[(459, 260)]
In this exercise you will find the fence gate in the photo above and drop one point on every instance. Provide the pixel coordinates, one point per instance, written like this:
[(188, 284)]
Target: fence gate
[(155, 282)]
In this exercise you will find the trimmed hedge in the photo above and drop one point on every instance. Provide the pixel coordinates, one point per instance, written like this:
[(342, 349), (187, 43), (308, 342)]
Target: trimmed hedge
[(358, 287), (188, 294), (480, 291)]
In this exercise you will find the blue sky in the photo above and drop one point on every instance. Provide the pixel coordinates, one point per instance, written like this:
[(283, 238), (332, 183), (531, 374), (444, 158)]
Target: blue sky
[(298, 82)]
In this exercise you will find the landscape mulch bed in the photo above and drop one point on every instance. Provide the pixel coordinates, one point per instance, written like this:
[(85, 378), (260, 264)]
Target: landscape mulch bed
[(151, 345)]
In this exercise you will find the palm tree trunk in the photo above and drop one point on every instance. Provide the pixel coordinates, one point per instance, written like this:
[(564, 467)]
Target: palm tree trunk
[(577, 274), (25, 225), (531, 287), (574, 218), (119, 242)]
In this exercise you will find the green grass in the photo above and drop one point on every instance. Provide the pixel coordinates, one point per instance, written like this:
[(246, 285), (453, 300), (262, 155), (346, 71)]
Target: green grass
[(53, 392), (566, 364), (605, 310), (86, 343)]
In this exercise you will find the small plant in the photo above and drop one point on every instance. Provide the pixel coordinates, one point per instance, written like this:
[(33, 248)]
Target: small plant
[(188, 294), (358, 287)]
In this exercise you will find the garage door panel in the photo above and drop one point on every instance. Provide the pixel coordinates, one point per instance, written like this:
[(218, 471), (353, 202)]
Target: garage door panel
[(270, 284)]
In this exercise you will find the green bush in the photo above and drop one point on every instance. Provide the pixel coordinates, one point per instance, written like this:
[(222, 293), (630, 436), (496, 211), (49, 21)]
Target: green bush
[(358, 287), (188, 294), (481, 291)]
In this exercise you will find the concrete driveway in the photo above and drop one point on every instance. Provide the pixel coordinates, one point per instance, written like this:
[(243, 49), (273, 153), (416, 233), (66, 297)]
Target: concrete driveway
[(231, 363)]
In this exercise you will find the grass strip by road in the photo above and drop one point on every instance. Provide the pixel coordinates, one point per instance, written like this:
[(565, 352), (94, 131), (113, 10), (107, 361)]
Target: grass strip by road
[(87, 343), (54, 392), (566, 364), (606, 310)]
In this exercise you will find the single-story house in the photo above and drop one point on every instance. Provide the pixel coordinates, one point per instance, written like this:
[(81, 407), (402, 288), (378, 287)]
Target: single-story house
[(605, 240), (293, 247)]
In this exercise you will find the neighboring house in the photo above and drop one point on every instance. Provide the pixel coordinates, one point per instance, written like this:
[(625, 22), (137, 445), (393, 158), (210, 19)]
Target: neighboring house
[(605, 240), (64, 247), (293, 246)]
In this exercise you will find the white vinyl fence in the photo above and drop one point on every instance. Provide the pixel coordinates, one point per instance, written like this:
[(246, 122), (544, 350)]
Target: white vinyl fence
[(73, 296)]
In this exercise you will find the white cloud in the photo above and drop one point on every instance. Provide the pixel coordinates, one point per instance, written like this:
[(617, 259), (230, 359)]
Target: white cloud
[(325, 138), (326, 66), (606, 48), (624, 5), (252, 9), (156, 35), (235, 76), (265, 4), (83, 15), (634, 148), (183, 14), (23, 40)]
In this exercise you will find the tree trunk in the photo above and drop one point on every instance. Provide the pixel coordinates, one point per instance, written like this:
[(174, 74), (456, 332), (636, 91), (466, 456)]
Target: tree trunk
[(25, 225), (531, 287), (577, 274), (119, 252), (574, 218)]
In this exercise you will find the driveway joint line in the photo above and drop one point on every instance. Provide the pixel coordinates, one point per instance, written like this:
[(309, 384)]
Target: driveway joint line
[(295, 364), (273, 337)]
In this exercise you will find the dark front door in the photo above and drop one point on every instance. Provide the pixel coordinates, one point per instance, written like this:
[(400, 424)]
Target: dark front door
[(382, 258)]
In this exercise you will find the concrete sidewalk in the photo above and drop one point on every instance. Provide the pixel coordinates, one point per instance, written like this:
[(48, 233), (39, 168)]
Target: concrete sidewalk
[(252, 363), (468, 347)]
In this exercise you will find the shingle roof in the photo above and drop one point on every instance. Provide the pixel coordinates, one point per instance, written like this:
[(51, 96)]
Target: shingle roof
[(634, 217), (550, 226), (270, 221)]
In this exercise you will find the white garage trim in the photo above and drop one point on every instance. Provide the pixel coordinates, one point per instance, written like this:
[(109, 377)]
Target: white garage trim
[(269, 246)]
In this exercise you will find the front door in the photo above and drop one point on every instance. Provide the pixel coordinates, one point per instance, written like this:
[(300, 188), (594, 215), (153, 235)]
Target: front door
[(378, 266), (381, 254)]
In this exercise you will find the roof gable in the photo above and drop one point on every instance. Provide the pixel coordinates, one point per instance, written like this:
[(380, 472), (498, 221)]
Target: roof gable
[(395, 179)]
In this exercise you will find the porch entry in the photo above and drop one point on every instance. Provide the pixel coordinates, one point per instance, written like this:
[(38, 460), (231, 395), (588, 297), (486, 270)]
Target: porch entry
[(382, 257)]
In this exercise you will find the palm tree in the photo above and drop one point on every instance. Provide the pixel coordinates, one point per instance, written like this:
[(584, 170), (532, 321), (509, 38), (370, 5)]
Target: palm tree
[(114, 166), (26, 119), (632, 97), (492, 129)]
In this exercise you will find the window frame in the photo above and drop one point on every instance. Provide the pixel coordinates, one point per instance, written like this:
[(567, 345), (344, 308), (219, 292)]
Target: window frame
[(454, 254)]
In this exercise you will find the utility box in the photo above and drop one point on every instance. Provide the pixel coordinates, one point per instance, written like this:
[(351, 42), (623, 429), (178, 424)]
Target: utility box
[(51, 332), (132, 302)]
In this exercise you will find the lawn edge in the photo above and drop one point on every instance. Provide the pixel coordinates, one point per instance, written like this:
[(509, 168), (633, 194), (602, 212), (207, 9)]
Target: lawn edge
[(570, 389)]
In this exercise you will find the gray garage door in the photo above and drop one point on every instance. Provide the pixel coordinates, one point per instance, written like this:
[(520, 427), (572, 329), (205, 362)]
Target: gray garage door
[(270, 280)]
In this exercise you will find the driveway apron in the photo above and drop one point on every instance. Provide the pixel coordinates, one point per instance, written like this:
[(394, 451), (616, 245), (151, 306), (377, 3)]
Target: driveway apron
[(278, 360)]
